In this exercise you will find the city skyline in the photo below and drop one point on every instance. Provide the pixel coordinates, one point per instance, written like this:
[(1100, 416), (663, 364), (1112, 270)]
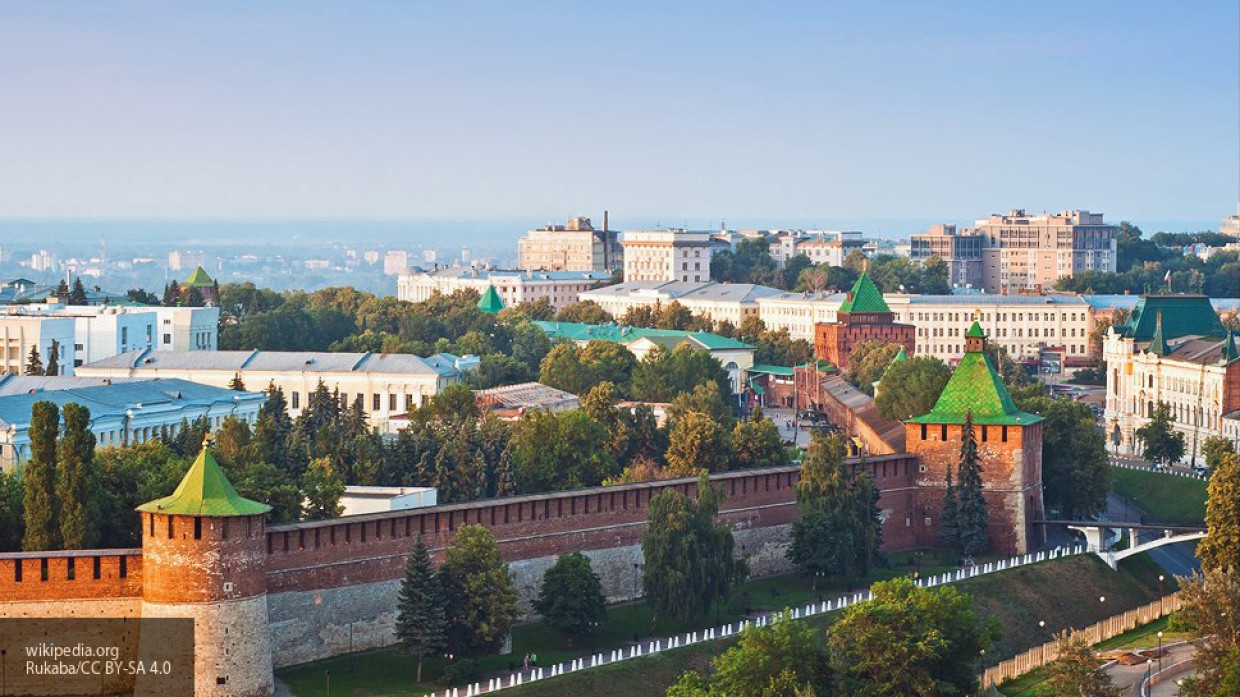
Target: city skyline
[(697, 112)]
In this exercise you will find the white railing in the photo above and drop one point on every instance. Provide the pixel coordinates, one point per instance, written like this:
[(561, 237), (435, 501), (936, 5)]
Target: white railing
[(653, 646), (1166, 471)]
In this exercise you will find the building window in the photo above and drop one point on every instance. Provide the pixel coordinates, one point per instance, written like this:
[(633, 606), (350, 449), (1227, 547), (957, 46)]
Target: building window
[(167, 338), (392, 402), (296, 400), (375, 402)]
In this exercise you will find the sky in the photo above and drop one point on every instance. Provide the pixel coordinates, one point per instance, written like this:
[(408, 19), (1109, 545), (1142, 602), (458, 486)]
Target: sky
[(654, 110)]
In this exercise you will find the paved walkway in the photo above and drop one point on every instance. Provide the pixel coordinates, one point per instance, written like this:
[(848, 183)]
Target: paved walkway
[(1129, 677)]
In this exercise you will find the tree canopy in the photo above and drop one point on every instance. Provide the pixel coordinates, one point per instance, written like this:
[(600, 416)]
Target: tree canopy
[(910, 388)]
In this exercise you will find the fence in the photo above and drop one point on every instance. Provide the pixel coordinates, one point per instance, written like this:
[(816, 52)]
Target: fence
[(1112, 626), (653, 646), (1168, 472)]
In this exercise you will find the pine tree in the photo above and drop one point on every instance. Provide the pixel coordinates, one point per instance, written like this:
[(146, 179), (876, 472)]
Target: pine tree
[(53, 359), (39, 479), (34, 362), (172, 294), (421, 624), (972, 503), (77, 296), (194, 298), (949, 519), (62, 291), (236, 383), (77, 481)]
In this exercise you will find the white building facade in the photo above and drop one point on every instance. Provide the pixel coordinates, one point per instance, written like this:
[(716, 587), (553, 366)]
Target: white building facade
[(667, 255), (19, 333), (561, 288), (732, 302)]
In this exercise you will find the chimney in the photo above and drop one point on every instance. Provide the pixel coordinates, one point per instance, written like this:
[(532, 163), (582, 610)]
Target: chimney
[(605, 221)]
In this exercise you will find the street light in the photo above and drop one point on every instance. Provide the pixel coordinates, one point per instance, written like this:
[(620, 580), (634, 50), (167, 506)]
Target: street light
[(1160, 584), (1160, 652), (327, 679)]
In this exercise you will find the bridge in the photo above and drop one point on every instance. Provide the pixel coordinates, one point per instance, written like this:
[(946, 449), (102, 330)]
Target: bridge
[(1101, 536)]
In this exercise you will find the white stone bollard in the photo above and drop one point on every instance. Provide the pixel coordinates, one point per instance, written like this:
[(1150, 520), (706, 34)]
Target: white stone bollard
[(512, 680), (518, 681)]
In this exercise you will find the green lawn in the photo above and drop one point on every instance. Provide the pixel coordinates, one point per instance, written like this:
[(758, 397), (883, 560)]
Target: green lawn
[(1164, 497)]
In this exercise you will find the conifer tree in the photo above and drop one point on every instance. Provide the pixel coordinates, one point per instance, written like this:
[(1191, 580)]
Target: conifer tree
[(172, 294), (39, 480), (53, 359), (77, 481), (972, 517), (236, 384), (77, 296), (34, 361), (949, 519), (62, 291), (421, 624)]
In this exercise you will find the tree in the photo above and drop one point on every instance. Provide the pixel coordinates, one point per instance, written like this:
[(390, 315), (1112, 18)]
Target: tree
[(141, 296), (910, 388), (909, 641), (973, 516), (77, 481), (688, 556), (949, 517), (1076, 474), (1161, 444), (1214, 449), (782, 659), (12, 517), (552, 452), (323, 486), (77, 296), (674, 316), (704, 398), (1221, 547), (867, 362), (697, 443), (529, 345), (584, 312), (662, 375), (479, 596), (562, 369), (236, 384), (53, 359), (421, 625), (34, 361), (756, 443), (571, 598), (1076, 670), (39, 480), (1211, 604)]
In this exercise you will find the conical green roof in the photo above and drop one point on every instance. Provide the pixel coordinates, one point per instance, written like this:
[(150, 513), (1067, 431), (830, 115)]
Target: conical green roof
[(490, 302), (1229, 349), (1158, 345), (864, 297), (900, 356), (205, 491), (199, 279), (975, 332), (975, 386)]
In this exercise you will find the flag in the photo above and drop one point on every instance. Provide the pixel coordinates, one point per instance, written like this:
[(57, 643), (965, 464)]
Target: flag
[(1167, 277)]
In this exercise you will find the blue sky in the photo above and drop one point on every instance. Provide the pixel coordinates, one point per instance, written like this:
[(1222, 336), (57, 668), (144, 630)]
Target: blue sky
[(686, 110)]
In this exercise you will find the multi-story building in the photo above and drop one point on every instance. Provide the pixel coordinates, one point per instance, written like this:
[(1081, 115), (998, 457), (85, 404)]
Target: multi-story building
[(514, 287), (962, 252), (733, 302), (123, 412), (667, 255), (100, 331), (386, 384), (20, 334), (178, 260), (574, 246), (1022, 252), (1231, 225), (799, 313), (1023, 326), (395, 262), (1173, 350)]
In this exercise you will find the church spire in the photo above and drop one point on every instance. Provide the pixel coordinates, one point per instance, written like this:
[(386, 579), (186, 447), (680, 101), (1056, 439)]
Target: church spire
[(1158, 345)]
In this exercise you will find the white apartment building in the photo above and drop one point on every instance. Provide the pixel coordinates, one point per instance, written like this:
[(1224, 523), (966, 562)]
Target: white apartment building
[(395, 262), (667, 255), (128, 411), (1231, 225), (732, 302), (100, 331), (574, 246), (387, 385), (560, 287), (20, 333), (1031, 252), (799, 312)]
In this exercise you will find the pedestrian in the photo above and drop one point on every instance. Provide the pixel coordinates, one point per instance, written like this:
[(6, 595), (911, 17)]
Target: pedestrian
[(534, 659), (527, 661)]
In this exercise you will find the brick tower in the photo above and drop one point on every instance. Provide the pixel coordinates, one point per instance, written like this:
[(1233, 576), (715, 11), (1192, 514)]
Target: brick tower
[(864, 316), (1009, 443), (204, 557)]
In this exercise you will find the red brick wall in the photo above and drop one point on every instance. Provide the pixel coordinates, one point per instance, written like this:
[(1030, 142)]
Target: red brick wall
[(46, 575), (217, 559), (373, 547), (833, 342), (1231, 388), (1011, 479)]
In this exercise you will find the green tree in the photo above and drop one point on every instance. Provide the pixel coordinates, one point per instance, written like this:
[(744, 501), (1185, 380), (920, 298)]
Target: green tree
[(77, 481), (1211, 604), (585, 312), (323, 486), (867, 362), (552, 452), (674, 316), (704, 398), (1076, 670), (1214, 449), (12, 517), (756, 443), (480, 599), (53, 359), (839, 531), (1076, 474), (910, 388), (662, 375), (571, 597), (421, 625), (529, 345), (688, 556), (782, 659), (34, 361), (77, 296), (39, 480), (1221, 547), (972, 514), (236, 383), (1161, 444), (697, 443), (949, 516), (562, 369), (909, 642)]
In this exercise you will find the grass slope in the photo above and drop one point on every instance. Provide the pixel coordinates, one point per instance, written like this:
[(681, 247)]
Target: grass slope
[(1164, 498)]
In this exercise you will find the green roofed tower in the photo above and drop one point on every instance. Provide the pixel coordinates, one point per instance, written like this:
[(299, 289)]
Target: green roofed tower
[(490, 302), (864, 316), (205, 491), (1009, 446), (864, 297)]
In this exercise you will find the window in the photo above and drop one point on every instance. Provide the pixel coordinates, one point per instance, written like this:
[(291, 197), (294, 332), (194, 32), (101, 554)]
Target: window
[(392, 402), (296, 400), (167, 338)]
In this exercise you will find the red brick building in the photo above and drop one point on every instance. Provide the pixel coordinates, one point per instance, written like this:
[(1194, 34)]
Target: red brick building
[(1009, 445), (864, 316)]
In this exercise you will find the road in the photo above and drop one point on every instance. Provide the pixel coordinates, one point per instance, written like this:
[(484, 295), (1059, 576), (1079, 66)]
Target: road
[(1128, 678), (1177, 559)]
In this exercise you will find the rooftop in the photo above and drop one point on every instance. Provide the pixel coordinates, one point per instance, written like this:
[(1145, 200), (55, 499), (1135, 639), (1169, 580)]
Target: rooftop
[(280, 361), (529, 395), (683, 290), (115, 399), (1183, 314), (199, 279), (515, 275), (205, 491), (865, 297), (975, 388), (619, 333)]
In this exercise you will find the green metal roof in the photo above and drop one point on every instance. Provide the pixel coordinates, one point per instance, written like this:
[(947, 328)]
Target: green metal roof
[(1184, 314), (771, 370), (490, 302), (864, 297), (1158, 345), (975, 332), (975, 387), (900, 357), (575, 331), (1229, 349), (205, 491), (199, 279)]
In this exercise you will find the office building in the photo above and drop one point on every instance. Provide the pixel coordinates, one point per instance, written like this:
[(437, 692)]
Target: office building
[(1022, 252), (960, 251), (667, 255), (561, 288), (574, 246)]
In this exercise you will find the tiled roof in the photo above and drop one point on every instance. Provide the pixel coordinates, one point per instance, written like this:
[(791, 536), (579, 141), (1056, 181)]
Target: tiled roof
[(1183, 315), (865, 297), (205, 491), (575, 331), (975, 387)]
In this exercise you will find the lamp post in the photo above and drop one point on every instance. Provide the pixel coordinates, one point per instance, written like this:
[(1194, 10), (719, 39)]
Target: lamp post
[(327, 683), (1159, 651), (1161, 591)]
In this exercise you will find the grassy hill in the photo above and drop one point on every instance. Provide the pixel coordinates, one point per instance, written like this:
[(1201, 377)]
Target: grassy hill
[(1165, 498)]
